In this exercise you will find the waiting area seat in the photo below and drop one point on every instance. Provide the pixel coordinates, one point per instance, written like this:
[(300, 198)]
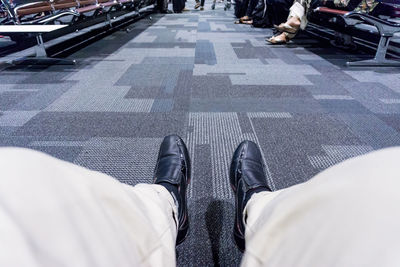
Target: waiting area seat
[(32, 8), (44, 12), (349, 21)]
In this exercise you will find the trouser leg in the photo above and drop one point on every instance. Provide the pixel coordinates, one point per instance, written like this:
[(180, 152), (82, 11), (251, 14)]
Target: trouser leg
[(162, 5), (54, 213), (348, 215), (202, 2), (299, 9), (246, 5), (251, 7), (278, 10)]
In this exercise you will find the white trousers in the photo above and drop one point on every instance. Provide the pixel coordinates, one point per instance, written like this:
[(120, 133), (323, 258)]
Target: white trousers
[(299, 10), (348, 215), (53, 213)]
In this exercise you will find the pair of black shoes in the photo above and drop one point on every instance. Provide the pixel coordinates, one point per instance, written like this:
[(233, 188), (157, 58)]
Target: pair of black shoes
[(247, 177)]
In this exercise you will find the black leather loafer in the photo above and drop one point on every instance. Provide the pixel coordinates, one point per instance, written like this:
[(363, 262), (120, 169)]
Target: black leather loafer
[(173, 172), (247, 177)]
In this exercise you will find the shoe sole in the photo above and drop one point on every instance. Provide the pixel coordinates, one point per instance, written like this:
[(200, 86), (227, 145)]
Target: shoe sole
[(239, 240), (183, 232), (182, 235)]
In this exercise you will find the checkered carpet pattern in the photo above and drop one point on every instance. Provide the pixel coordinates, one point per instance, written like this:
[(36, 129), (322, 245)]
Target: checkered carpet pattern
[(214, 83)]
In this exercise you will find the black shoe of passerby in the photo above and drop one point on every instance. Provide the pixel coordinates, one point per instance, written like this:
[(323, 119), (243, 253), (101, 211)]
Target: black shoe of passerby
[(227, 6), (247, 177), (173, 172)]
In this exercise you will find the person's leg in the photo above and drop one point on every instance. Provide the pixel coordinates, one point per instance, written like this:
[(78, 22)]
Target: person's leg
[(245, 5), (250, 9), (55, 213), (162, 6), (178, 6), (228, 5), (202, 4), (297, 19), (348, 215), (278, 10)]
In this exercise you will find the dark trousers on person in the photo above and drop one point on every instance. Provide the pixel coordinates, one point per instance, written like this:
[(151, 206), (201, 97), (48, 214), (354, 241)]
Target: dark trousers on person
[(278, 10), (250, 8), (178, 5)]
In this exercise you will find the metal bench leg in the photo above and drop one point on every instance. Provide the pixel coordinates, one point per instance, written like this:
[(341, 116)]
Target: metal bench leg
[(41, 57), (380, 57), (108, 20)]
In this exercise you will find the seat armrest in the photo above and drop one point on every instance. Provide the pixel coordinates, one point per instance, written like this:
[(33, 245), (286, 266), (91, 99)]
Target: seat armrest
[(330, 11), (370, 19)]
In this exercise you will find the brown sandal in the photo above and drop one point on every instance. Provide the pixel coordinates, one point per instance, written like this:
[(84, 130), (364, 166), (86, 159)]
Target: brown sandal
[(248, 22)]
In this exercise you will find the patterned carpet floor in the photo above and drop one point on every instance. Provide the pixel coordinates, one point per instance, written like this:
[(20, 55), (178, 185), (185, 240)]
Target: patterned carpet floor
[(214, 83)]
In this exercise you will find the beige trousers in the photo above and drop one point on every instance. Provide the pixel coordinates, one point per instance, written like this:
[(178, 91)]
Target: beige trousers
[(54, 213), (348, 215)]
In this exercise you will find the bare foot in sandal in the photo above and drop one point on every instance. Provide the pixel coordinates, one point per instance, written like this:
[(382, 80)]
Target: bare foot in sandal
[(282, 38), (292, 25)]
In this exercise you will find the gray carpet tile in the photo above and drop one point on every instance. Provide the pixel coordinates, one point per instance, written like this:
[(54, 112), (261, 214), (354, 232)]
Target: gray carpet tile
[(214, 83)]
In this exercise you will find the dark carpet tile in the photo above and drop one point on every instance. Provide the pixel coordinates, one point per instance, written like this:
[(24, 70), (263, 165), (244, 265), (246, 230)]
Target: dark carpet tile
[(104, 124), (162, 45), (64, 153), (146, 92), (211, 86), (270, 91), (288, 142), (256, 104), (343, 106), (391, 120), (244, 122), (371, 130), (247, 50), (210, 240)]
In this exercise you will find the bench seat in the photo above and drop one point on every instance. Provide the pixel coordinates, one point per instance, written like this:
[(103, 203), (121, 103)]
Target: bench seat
[(64, 4), (384, 28), (110, 3), (88, 8), (32, 8)]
